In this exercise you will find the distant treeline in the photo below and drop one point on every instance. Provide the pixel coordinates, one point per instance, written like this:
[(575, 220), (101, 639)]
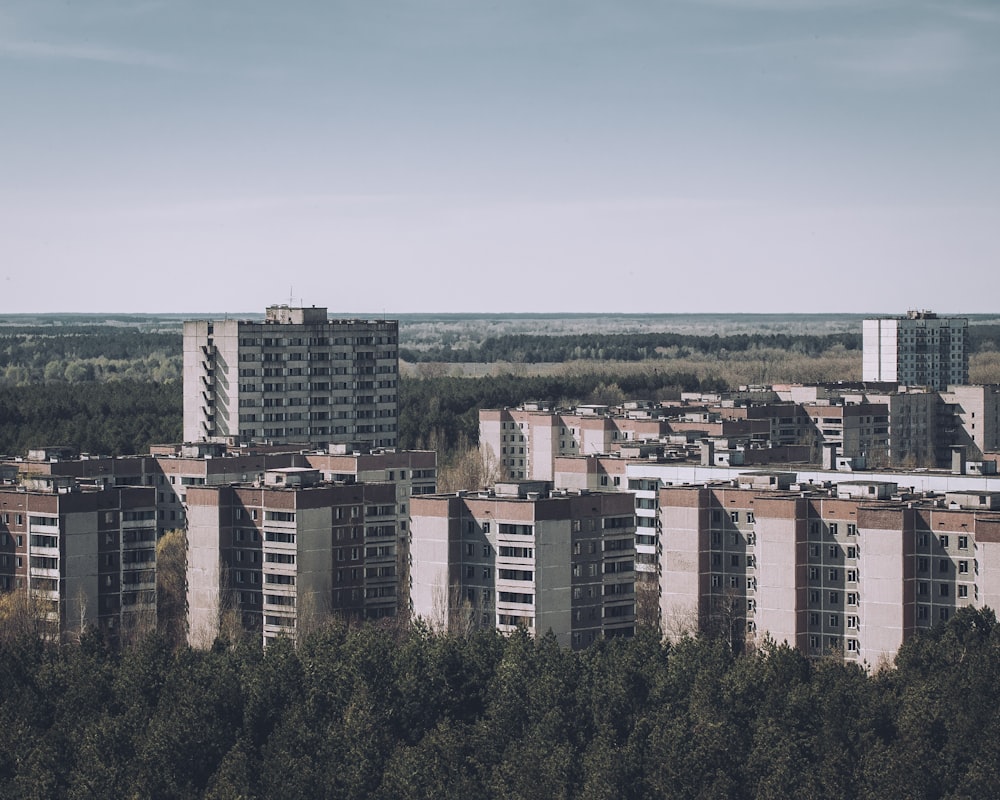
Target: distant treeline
[(537, 348), (86, 353), (400, 713)]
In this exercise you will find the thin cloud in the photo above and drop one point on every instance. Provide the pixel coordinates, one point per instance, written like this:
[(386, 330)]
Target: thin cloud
[(57, 51), (918, 55)]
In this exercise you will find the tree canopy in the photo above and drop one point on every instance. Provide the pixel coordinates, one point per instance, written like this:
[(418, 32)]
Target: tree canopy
[(398, 712)]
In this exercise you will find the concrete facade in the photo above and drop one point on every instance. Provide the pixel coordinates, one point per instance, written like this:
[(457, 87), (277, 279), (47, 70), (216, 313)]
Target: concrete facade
[(295, 377), (285, 553), (85, 555), (520, 556), (918, 349), (850, 570)]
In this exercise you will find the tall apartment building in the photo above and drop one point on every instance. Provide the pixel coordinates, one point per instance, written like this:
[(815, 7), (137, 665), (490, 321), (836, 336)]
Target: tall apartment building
[(295, 377), (85, 555), (972, 415), (291, 548), (918, 349), (520, 556), (850, 570)]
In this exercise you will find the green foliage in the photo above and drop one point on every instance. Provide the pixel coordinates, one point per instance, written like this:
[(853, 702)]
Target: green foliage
[(80, 353), (379, 712), (537, 348), (111, 418)]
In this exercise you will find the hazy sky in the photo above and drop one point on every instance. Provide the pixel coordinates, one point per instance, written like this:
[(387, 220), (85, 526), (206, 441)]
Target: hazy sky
[(510, 155)]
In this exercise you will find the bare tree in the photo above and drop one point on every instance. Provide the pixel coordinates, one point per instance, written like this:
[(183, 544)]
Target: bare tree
[(171, 587), (647, 601)]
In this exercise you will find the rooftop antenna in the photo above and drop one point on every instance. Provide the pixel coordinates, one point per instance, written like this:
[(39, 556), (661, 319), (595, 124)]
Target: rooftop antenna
[(291, 297)]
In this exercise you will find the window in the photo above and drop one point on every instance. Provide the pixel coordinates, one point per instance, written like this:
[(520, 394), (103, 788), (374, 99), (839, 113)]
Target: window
[(814, 551), (922, 588), (922, 540), (963, 542), (944, 540), (734, 516), (834, 551), (833, 528), (716, 581), (470, 549), (943, 565), (750, 517), (852, 622), (921, 565), (852, 551), (734, 561), (814, 573), (963, 567), (834, 621), (852, 529), (852, 598), (922, 612), (834, 598), (943, 614), (852, 645), (834, 574), (963, 591), (814, 596), (814, 619), (944, 590)]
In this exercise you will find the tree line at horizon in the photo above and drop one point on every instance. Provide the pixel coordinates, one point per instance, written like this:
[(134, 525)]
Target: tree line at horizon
[(81, 353), (396, 712)]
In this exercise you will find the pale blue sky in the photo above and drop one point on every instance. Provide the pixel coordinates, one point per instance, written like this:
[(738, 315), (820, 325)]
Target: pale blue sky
[(512, 155)]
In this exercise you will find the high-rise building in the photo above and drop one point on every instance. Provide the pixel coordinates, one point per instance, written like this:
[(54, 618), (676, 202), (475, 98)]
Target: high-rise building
[(522, 556), (850, 570), (284, 552), (920, 349), (85, 556), (297, 376)]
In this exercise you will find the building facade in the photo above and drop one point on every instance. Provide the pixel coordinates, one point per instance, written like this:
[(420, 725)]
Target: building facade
[(520, 556), (285, 553), (297, 376), (918, 349), (850, 570), (85, 556)]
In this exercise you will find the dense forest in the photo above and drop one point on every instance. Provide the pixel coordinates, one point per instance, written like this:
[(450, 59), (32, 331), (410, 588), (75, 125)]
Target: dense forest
[(380, 712), (121, 417)]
